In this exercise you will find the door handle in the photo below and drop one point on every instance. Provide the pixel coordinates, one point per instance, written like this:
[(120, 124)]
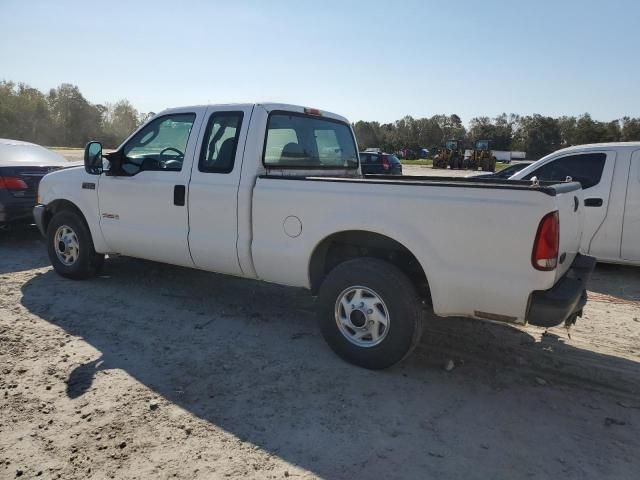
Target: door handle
[(592, 202), (179, 193)]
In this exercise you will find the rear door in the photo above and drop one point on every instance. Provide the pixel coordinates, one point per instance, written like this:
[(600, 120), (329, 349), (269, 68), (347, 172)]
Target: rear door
[(213, 189), (375, 164), (630, 248), (594, 170), (365, 163)]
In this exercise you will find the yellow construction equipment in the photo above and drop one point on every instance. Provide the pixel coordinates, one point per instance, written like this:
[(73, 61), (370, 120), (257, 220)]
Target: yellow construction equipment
[(451, 155), (481, 156)]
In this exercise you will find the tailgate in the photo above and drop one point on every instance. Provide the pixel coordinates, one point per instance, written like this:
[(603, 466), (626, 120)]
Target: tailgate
[(571, 212)]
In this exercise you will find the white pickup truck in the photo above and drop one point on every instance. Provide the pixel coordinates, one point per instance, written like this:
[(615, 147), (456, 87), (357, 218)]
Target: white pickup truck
[(610, 178), (274, 192)]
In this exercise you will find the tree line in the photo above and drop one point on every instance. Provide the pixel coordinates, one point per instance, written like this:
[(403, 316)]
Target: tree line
[(535, 134), (64, 117)]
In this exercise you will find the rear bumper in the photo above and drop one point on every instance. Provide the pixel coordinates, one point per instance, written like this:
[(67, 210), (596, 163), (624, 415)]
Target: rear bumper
[(15, 209), (548, 308), (38, 216)]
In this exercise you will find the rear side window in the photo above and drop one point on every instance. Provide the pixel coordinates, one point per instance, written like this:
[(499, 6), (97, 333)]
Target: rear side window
[(585, 168), (220, 143), (301, 141)]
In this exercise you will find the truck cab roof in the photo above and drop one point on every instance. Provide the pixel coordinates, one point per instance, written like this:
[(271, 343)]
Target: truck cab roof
[(600, 146), (268, 106)]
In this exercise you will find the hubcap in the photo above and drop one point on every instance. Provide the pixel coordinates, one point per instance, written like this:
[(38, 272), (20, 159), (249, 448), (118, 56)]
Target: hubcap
[(66, 245), (362, 316)]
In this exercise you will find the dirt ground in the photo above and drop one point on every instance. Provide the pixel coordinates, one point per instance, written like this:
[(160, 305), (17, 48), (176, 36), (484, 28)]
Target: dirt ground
[(154, 371)]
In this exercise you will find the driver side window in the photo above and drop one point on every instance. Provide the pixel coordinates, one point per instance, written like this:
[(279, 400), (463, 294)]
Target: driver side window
[(585, 168), (159, 146)]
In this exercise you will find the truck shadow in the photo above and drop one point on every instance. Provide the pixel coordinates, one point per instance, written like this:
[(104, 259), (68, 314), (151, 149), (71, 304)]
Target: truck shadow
[(247, 357), (617, 281), (21, 248)]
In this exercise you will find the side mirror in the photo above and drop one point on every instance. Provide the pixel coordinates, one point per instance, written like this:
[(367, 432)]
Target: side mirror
[(93, 158)]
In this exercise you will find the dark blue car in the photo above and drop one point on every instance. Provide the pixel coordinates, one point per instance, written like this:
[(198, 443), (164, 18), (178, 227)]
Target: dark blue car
[(373, 163), (22, 166)]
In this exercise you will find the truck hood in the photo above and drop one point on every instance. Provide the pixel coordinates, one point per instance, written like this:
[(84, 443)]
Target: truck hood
[(65, 183)]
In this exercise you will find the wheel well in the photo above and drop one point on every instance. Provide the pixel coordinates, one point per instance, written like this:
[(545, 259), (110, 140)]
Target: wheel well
[(60, 206), (343, 246)]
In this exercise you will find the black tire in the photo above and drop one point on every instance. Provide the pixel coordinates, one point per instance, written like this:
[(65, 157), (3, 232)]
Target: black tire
[(405, 312), (88, 262)]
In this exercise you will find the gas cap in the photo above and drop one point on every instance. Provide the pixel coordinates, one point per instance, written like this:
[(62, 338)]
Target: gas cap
[(292, 226)]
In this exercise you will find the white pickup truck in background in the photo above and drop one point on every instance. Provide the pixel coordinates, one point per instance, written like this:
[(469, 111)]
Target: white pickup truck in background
[(610, 178), (274, 192)]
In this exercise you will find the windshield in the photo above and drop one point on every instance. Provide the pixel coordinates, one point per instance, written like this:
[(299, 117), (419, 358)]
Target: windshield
[(511, 170), (302, 141)]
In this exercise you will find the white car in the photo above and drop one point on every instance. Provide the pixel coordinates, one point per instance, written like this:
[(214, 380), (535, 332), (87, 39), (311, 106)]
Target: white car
[(274, 192), (22, 165), (610, 178)]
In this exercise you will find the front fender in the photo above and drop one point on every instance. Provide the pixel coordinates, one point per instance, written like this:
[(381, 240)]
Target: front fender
[(76, 186)]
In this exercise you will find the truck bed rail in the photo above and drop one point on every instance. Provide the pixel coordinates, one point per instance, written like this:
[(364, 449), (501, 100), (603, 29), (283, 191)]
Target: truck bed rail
[(548, 188)]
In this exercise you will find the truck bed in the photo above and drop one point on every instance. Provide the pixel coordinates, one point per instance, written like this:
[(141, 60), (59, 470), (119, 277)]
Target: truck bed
[(472, 237)]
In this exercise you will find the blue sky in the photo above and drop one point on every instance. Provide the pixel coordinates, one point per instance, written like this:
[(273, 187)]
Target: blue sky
[(367, 60)]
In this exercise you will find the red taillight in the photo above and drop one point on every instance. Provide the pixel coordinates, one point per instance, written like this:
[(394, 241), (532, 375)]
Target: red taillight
[(545, 248), (385, 163), (312, 111), (12, 183)]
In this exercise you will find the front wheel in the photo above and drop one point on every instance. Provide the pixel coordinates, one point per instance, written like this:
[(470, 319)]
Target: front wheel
[(369, 313), (70, 247)]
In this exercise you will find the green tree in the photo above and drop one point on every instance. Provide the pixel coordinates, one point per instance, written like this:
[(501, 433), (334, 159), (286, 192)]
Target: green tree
[(366, 134), (75, 120), (591, 131), (119, 121), (567, 127), (630, 129), (537, 135), (24, 113)]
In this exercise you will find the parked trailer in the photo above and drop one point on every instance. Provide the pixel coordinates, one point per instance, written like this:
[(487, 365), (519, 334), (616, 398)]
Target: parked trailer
[(507, 155)]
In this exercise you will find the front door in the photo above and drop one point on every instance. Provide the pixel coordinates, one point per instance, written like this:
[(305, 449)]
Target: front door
[(143, 206), (630, 248)]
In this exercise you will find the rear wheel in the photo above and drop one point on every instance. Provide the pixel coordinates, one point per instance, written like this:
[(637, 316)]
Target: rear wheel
[(70, 247), (369, 313)]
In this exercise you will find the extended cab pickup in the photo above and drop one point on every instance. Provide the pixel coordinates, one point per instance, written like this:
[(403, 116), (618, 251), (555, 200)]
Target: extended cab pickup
[(274, 192), (610, 178)]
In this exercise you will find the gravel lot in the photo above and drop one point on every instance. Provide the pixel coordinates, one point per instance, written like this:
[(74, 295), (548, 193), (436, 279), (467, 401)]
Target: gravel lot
[(154, 371)]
